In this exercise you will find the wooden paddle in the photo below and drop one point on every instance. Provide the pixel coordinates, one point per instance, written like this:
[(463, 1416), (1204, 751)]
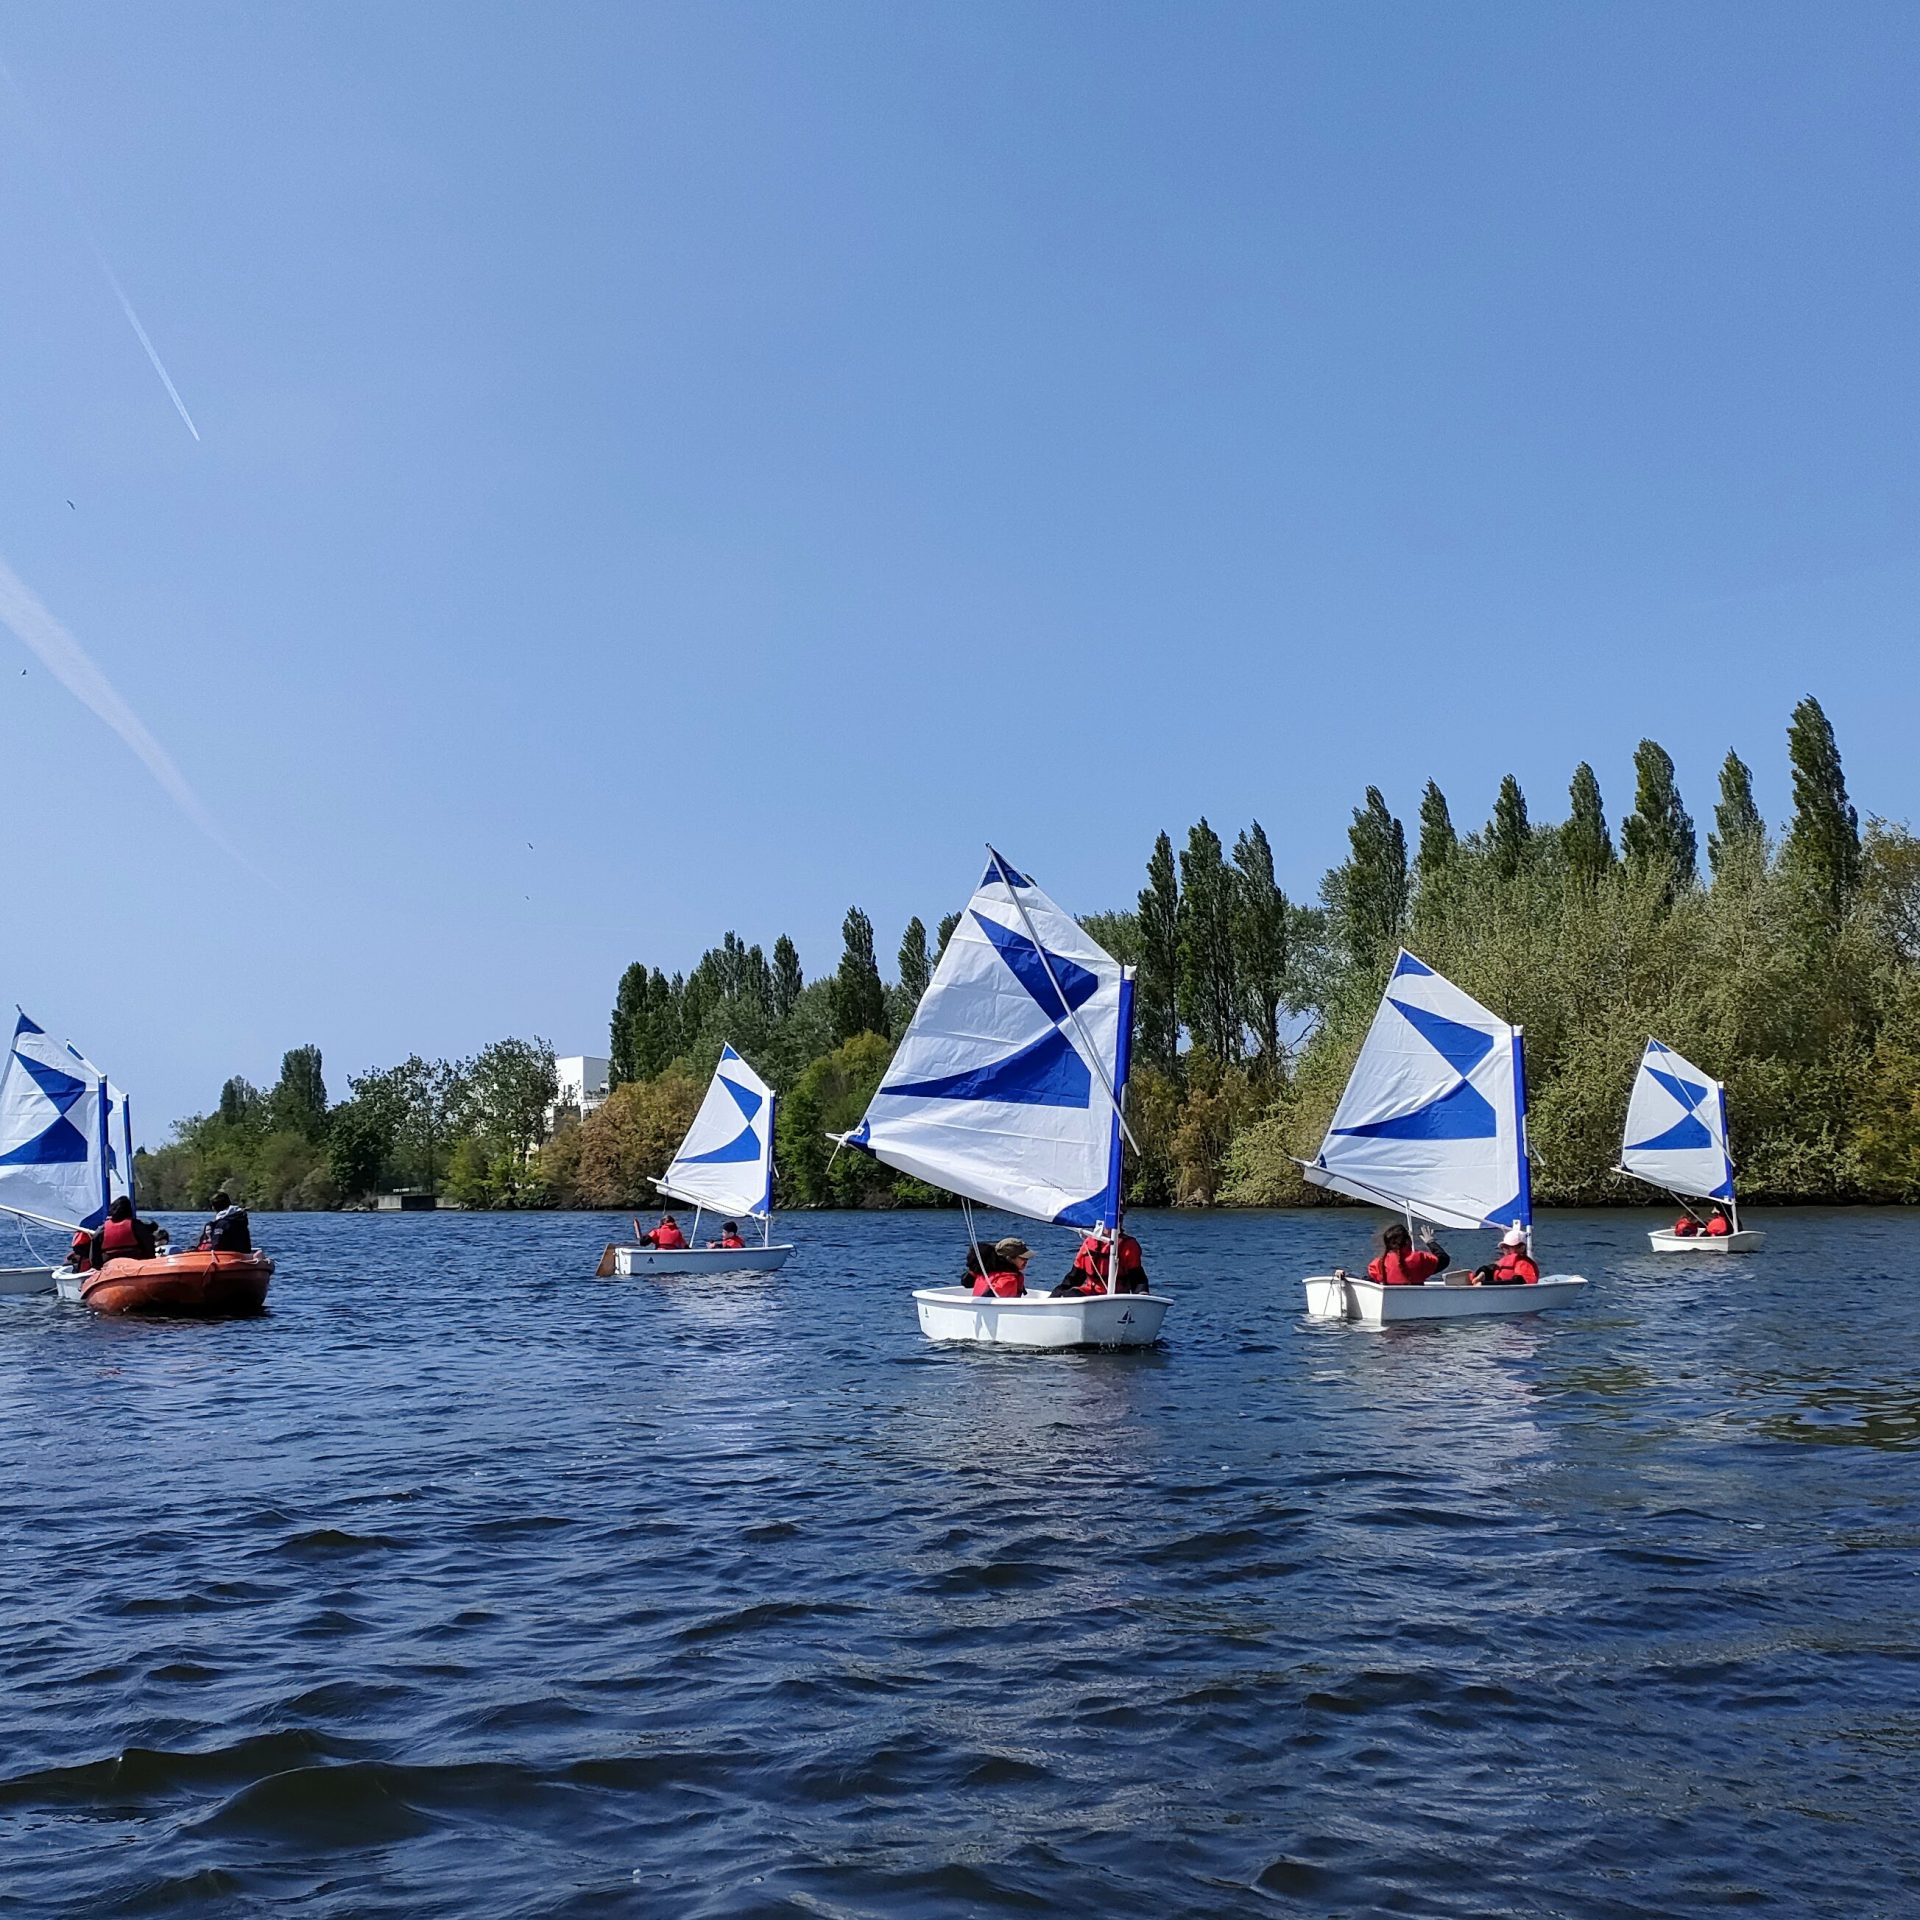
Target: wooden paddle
[(604, 1271)]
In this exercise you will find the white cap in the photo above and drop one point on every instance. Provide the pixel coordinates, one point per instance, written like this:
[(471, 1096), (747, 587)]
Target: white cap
[(1514, 1237)]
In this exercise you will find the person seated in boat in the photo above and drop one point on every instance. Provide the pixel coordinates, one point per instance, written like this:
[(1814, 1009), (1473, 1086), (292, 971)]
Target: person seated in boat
[(1718, 1225), (729, 1236), (228, 1231), (80, 1251), (1512, 1266), (1088, 1274), (1685, 1227), (999, 1269), (667, 1236), (121, 1236), (1400, 1263)]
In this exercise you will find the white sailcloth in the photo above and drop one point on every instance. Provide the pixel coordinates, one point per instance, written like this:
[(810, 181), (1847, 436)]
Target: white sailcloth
[(726, 1161), (1676, 1133), (1433, 1119), (53, 1132), (1003, 1089), (119, 1144)]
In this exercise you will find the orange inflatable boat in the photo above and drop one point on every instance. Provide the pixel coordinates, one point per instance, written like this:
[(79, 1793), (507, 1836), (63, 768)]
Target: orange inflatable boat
[(205, 1284)]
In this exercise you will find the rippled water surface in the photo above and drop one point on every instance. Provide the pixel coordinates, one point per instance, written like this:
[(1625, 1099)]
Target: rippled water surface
[(463, 1583)]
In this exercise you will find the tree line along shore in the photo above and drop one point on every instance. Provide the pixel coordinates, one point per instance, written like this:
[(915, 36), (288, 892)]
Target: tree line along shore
[(1788, 966)]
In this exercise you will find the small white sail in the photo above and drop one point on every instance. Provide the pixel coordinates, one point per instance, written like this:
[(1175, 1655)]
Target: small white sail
[(1433, 1119), (1003, 1089), (119, 1144), (53, 1132), (726, 1161), (1676, 1133)]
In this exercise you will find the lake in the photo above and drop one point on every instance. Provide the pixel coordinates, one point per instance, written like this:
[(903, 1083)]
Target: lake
[(464, 1583)]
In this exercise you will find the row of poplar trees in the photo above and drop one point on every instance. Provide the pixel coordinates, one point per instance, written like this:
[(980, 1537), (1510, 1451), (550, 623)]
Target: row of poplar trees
[(1790, 969)]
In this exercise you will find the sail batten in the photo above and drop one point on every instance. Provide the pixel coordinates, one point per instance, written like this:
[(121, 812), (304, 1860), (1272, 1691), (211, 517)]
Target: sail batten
[(725, 1163), (1433, 1116), (1676, 1131), (1005, 1088)]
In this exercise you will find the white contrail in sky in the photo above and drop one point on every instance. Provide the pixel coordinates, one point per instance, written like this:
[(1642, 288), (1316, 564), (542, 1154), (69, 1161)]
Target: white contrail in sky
[(30, 126), (63, 656)]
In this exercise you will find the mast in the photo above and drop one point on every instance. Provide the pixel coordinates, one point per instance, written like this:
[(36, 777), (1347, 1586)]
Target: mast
[(1525, 1169)]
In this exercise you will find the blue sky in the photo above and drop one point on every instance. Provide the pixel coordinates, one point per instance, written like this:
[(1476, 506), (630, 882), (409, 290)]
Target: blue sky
[(757, 453)]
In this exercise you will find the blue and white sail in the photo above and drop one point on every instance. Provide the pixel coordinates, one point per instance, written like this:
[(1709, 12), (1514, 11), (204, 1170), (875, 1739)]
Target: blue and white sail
[(725, 1163), (53, 1132), (1006, 1087), (1434, 1117), (1676, 1133), (119, 1144)]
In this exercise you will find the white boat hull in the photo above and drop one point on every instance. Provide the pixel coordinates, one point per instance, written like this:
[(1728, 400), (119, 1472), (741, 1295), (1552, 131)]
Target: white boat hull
[(1665, 1240), (67, 1284), (26, 1280), (1373, 1305), (633, 1263), (1038, 1320)]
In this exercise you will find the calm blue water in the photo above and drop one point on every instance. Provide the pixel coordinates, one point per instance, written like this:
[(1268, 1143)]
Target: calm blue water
[(463, 1583)]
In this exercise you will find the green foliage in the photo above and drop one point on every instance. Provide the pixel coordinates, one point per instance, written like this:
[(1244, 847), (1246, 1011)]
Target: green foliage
[(1438, 841), (1262, 921), (1823, 844), (1736, 848), (1367, 897), (829, 1098), (1209, 995), (1657, 838), (788, 980), (298, 1102), (948, 921), (1510, 834), (916, 969), (1585, 844), (1156, 993), (859, 997)]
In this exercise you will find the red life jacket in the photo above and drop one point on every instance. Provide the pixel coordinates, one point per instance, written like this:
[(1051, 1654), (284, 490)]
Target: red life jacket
[(668, 1237), (730, 1240), (1719, 1226), (1516, 1264), (1686, 1227), (1092, 1257), (1008, 1286), (119, 1240), (1409, 1269)]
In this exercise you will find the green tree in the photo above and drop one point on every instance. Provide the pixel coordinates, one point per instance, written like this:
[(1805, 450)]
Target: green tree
[(1367, 896), (829, 1099), (1156, 993), (243, 1106), (503, 1099), (948, 921), (1510, 834), (1657, 838), (1438, 841), (360, 1141), (1738, 841), (299, 1102), (630, 1007), (916, 969), (788, 980), (859, 996), (1585, 844), (1261, 919), (1823, 844), (1209, 987)]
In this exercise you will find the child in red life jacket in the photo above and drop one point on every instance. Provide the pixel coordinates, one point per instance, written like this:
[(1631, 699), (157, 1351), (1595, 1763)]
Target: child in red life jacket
[(1401, 1264), (1718, 1225), (666, 1236), (729, 1236), (1514, 1266), (1685, 1227), (999, 1269), (1088, 1274)]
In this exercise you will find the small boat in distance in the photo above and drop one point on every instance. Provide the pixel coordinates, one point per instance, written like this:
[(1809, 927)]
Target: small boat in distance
[(1008, 1089), (725, 1167), (1433, 1124), (1676, 1138)]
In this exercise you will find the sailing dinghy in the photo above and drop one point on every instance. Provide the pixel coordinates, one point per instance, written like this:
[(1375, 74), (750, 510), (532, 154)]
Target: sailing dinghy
[(1008, 1089), (1676, 1138), (724, 1167), (1433, 1124), (59, 1122)]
